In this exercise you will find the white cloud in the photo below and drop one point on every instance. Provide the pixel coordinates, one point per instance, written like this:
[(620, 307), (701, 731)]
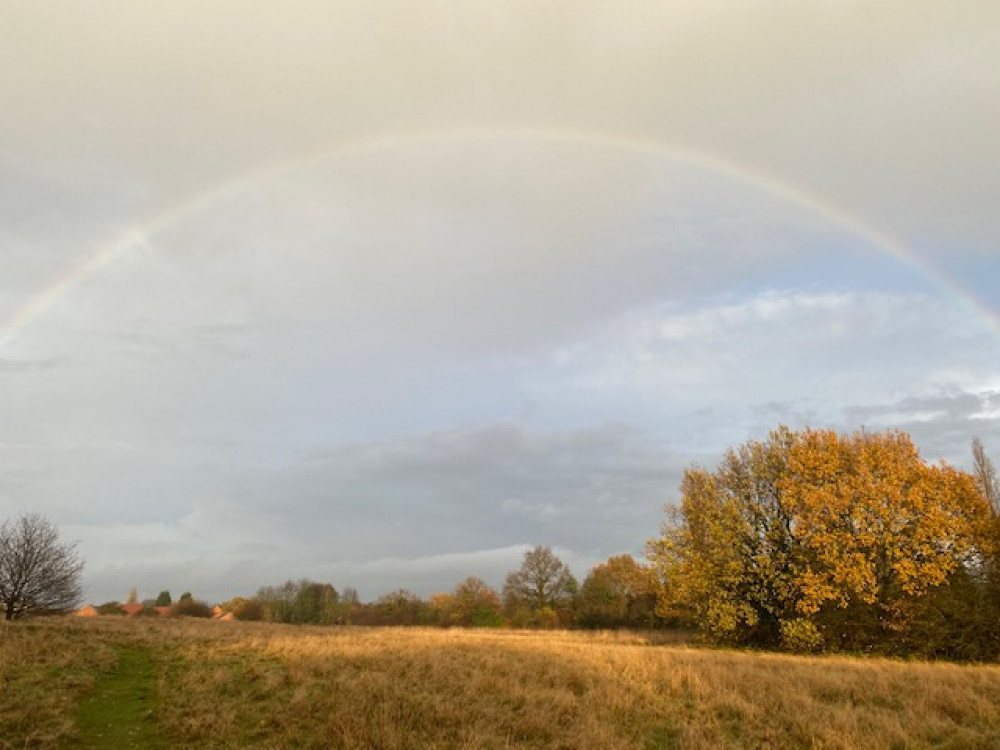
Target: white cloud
[(715, 370)]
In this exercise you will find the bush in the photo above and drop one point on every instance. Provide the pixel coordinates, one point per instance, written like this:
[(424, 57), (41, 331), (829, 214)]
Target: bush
[(801, 636), (486, 617), (244, 609), (188, 607)]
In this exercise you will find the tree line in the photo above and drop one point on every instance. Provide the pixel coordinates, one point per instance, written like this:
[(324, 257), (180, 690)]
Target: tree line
[(542, 593), (808, 540)]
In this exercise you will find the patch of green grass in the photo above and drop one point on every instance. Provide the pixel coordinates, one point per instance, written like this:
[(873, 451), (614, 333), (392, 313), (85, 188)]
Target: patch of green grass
[(121, 712), (664, 737)]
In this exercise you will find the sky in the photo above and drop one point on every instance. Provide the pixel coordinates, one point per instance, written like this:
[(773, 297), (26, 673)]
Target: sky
[(386, 293)]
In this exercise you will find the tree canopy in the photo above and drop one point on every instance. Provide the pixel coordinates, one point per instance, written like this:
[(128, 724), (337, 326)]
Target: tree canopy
[(618, 593), (540, 589), (473, 603), (817, 539)]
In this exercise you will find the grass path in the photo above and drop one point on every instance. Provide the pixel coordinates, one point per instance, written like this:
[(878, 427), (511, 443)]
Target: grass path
[(120, 713), (124, 683)]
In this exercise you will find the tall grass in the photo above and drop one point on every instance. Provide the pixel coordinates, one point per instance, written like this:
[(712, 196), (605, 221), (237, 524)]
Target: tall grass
[(251, 685), (46, 668)]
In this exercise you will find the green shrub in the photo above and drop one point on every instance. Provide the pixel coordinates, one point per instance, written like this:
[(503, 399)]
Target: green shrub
[(801, 636)]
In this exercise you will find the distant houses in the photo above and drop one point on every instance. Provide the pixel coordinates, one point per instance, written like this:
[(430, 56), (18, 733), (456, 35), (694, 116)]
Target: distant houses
[(218, 613), (135, 609)]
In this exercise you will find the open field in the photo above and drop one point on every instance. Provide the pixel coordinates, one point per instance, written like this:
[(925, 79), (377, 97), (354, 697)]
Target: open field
[(184, 683)]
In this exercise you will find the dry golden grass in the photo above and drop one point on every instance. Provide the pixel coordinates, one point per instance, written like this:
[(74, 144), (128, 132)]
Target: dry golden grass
[(247, 685)]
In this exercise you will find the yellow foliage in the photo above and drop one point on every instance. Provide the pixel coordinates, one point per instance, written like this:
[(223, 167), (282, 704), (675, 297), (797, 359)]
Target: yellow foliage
[(786, 529), (873, 521)]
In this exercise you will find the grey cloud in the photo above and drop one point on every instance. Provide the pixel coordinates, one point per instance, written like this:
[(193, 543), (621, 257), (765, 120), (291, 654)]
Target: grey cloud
[(887, 111), (421, 512), (220, 574), (951, 405), (454, 492), (942, 424)]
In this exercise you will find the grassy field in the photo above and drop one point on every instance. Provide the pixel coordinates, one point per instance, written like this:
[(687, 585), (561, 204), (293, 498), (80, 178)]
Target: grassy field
[(109, 682)]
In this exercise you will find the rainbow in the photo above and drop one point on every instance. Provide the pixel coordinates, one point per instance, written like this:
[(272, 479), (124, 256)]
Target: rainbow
[(142, 231)]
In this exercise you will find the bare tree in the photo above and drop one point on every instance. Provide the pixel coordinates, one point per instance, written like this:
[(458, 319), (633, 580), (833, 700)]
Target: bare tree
[(38, 573), (985, 474)]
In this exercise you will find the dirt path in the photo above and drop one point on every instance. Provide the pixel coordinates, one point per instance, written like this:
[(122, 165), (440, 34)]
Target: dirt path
[(120, 712)]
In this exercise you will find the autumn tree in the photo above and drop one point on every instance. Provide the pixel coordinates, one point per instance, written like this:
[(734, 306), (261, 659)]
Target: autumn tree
[(725, 555), (877, 529), (441, 609), (959, 621), (316, 603), (301, 602), (473, 603), (541, 591), (399, 607), (618, 593), (349, 596), (350, 603), (816, 539), (39, 574), (277, 602), (243, 608)]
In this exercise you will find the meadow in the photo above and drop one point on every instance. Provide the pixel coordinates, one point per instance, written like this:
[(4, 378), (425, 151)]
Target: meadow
[(116, 682)]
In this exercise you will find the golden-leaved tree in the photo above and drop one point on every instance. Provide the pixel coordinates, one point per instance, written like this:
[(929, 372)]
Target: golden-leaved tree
[(816, 539), (618, 593), (472, 603), (725, 553)]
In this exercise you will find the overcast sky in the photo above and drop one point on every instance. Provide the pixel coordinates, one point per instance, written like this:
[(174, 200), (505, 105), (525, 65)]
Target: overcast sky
[(385, 293)]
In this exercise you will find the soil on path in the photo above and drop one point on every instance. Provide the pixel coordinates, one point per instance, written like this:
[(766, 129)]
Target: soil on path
[(120, 713)]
